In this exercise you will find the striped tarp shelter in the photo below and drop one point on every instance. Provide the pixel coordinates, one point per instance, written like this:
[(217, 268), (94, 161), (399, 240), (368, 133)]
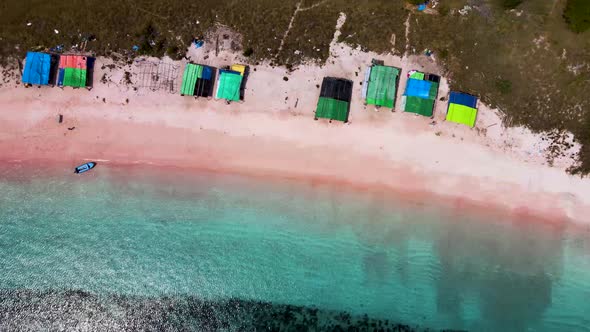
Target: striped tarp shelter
[(73, 71), (382, 86), (197, 80)]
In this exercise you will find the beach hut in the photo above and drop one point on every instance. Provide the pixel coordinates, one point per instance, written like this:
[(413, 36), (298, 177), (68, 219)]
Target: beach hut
[(380, 86), (462, 108), (75, 71), (197, 80), (420, 94), (38, 69), (334, 101), (231, 83)]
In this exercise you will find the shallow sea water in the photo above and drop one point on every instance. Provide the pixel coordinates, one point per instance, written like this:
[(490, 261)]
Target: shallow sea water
[(163, 249)]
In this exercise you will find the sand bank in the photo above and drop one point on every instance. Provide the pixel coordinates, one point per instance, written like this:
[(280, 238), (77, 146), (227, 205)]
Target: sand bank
[(273, 133)]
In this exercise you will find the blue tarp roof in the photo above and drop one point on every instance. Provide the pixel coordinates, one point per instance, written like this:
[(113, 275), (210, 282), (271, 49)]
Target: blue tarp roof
[(207, 72), (37, 68), (418, 88), (463, 99)]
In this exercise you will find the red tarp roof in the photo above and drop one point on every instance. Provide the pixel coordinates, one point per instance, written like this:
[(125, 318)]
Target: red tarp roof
[(72, 61)]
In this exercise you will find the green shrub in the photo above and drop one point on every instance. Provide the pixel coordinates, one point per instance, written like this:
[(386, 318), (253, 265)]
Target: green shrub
[(172, 51), (510, 4), (248, 52), (150, 42), (577, 15), (504, 86)]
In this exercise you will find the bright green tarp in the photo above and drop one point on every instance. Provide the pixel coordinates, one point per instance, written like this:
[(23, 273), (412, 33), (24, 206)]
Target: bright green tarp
[(417, 75), (462, 114), (192, 72), (333, 109), (74, 77), (382, 86), (229, 86)]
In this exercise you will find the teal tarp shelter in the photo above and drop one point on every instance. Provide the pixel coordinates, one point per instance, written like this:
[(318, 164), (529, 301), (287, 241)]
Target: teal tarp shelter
[(229, 85)]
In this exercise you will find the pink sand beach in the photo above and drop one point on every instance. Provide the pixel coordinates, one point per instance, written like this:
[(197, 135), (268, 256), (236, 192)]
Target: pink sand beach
[(273, 134)]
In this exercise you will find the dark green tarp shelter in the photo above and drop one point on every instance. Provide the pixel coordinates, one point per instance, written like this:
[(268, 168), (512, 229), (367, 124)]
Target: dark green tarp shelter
[(334, 101)]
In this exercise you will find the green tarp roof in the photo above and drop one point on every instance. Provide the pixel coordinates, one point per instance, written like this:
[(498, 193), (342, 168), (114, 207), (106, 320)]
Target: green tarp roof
[(74, 77), (417, 75), (191, 73), (229, 86), (419, 105), (433, 91), (462, 114), (382, 86), (333, 109)]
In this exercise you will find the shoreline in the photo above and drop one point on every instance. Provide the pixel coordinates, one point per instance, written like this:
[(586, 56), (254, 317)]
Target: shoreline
[(273, 135), (449, 204), (408, 192)]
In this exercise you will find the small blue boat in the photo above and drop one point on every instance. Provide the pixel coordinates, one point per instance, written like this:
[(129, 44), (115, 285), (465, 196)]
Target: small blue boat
[(85, 167)]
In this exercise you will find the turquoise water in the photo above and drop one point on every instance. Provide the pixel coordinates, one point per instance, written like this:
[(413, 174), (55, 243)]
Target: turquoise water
[(156, 235)]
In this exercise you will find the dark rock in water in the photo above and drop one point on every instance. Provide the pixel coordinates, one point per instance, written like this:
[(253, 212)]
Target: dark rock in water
[(28, 310)]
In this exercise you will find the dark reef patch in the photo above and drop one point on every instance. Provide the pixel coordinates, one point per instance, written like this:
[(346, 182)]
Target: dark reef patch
[(73, 310)]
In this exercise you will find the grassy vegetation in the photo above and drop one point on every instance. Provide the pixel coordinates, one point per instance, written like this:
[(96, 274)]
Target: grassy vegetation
[(577, 15), (369, 24), (527, 62), (156, 26), (529, 65)]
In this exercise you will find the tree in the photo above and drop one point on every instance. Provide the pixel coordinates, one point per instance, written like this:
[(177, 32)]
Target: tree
[(577, 15)]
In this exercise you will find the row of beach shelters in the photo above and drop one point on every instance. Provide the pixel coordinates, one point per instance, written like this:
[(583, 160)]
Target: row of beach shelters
[(199, 81), (64, 70), (380, 85), (420, 94), (334, 101)]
